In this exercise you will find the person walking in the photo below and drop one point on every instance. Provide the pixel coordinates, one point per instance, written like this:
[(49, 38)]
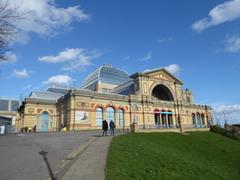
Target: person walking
[(112, 127), (34, 128), (104, 127)]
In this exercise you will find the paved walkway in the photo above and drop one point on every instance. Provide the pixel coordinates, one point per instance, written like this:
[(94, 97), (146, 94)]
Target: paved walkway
[(91, 161)]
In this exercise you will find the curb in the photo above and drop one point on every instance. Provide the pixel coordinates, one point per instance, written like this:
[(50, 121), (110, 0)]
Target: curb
[(65, 165)]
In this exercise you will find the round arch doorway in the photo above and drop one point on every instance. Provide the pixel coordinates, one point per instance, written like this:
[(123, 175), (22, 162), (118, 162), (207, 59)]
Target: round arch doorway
[(43, 124)]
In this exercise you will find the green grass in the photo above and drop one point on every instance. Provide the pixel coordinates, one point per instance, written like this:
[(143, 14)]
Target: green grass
[(199, 155)]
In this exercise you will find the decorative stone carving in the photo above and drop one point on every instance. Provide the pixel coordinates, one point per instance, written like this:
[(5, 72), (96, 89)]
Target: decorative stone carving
[(39, 110), (30, 110)]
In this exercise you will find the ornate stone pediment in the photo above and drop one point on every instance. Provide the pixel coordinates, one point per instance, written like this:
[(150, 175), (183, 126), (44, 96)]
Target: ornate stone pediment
[(164, 75)]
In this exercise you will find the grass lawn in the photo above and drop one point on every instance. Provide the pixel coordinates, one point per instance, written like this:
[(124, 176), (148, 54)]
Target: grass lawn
[(199, 155)]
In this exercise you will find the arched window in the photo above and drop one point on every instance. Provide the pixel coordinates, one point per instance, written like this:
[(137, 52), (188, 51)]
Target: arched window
[(110, 114), (99, 116), (194, 120), (120, 117), (161, 92), (203, 119), (170, 119), (198, 120), (164, 118), (44, 122), (157, 118)]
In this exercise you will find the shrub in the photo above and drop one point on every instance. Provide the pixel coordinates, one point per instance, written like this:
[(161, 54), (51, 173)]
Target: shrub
[(218, 129), (222, 131)]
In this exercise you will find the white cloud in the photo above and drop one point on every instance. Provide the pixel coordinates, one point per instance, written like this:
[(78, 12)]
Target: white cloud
[(21, 73), (165, 40), (63, 56), (27, 87), (225, 12), (229, 112), (10, 58), (59, 80), (147, 57), (173, 69), (75, 59), (127, 58), (44, 17), (232, 44)]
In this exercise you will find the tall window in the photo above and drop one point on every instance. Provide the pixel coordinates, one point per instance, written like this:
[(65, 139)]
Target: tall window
[(99, 116), (44, 123), (120, 117), (157, 117), (203, 119), (170, 120), (198, 120), (110, 114), (194, 120)]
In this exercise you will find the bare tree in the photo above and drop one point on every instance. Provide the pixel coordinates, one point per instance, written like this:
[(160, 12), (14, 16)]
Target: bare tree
[(8, 18)]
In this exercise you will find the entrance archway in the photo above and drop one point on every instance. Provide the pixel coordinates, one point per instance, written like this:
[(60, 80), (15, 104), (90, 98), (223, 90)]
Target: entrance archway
[(161, 92), (110, 114), (163, 119), (194, 120), (198, 120), (44, 122), (99, 116), (157, 118)]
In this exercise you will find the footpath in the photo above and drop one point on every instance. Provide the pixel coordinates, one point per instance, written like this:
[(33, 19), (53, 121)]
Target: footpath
[(91, 162)]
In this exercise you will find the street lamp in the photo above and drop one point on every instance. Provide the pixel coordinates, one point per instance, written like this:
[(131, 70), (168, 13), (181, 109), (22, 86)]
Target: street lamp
[(225, 120)]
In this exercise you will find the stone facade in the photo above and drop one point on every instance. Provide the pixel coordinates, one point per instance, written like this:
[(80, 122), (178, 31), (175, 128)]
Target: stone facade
[(156, 101)]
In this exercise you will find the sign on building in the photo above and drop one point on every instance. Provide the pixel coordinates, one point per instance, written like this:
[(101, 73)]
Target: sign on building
[(81, 116)]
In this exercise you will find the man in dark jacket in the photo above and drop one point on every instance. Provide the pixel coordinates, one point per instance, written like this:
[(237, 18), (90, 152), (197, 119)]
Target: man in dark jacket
[(104, 127), (112, 127)]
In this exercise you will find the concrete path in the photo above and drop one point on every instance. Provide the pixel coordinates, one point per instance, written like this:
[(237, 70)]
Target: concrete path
[(41, 156), (90, 164)]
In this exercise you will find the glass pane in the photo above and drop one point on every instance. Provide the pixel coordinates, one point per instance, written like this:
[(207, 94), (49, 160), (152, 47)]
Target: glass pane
[(14, 105), (99, 115), (4, 105), (110, 114), (120, 117)]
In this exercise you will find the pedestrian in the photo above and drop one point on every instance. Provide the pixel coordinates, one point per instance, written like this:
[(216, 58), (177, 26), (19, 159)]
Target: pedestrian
[(112, 127), (26, 129), (104, 127), (34, 128)]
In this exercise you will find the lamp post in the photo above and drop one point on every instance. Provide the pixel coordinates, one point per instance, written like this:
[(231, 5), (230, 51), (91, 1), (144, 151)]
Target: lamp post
[(225, 120)]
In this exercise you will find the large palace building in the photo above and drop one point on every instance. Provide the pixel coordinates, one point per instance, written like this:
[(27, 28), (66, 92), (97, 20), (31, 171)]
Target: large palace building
[(149, 100)]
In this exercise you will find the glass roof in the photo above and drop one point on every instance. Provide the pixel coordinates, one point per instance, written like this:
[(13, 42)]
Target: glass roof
[(45, 95), (107, 74)]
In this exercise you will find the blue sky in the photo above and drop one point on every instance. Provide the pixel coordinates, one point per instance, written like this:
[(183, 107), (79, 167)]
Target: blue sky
[(61, 42)]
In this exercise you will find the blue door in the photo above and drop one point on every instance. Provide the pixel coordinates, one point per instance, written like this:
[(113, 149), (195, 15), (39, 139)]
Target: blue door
[(44, 121)]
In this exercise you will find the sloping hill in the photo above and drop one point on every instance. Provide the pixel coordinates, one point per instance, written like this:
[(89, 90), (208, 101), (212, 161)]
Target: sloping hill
[(199, 155)]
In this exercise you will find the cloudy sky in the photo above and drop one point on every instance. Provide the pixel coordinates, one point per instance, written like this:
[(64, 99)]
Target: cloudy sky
[(61, 42)]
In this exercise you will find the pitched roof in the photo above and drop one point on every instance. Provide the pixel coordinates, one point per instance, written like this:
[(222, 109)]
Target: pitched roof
[(45, 95), (149, 71)]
